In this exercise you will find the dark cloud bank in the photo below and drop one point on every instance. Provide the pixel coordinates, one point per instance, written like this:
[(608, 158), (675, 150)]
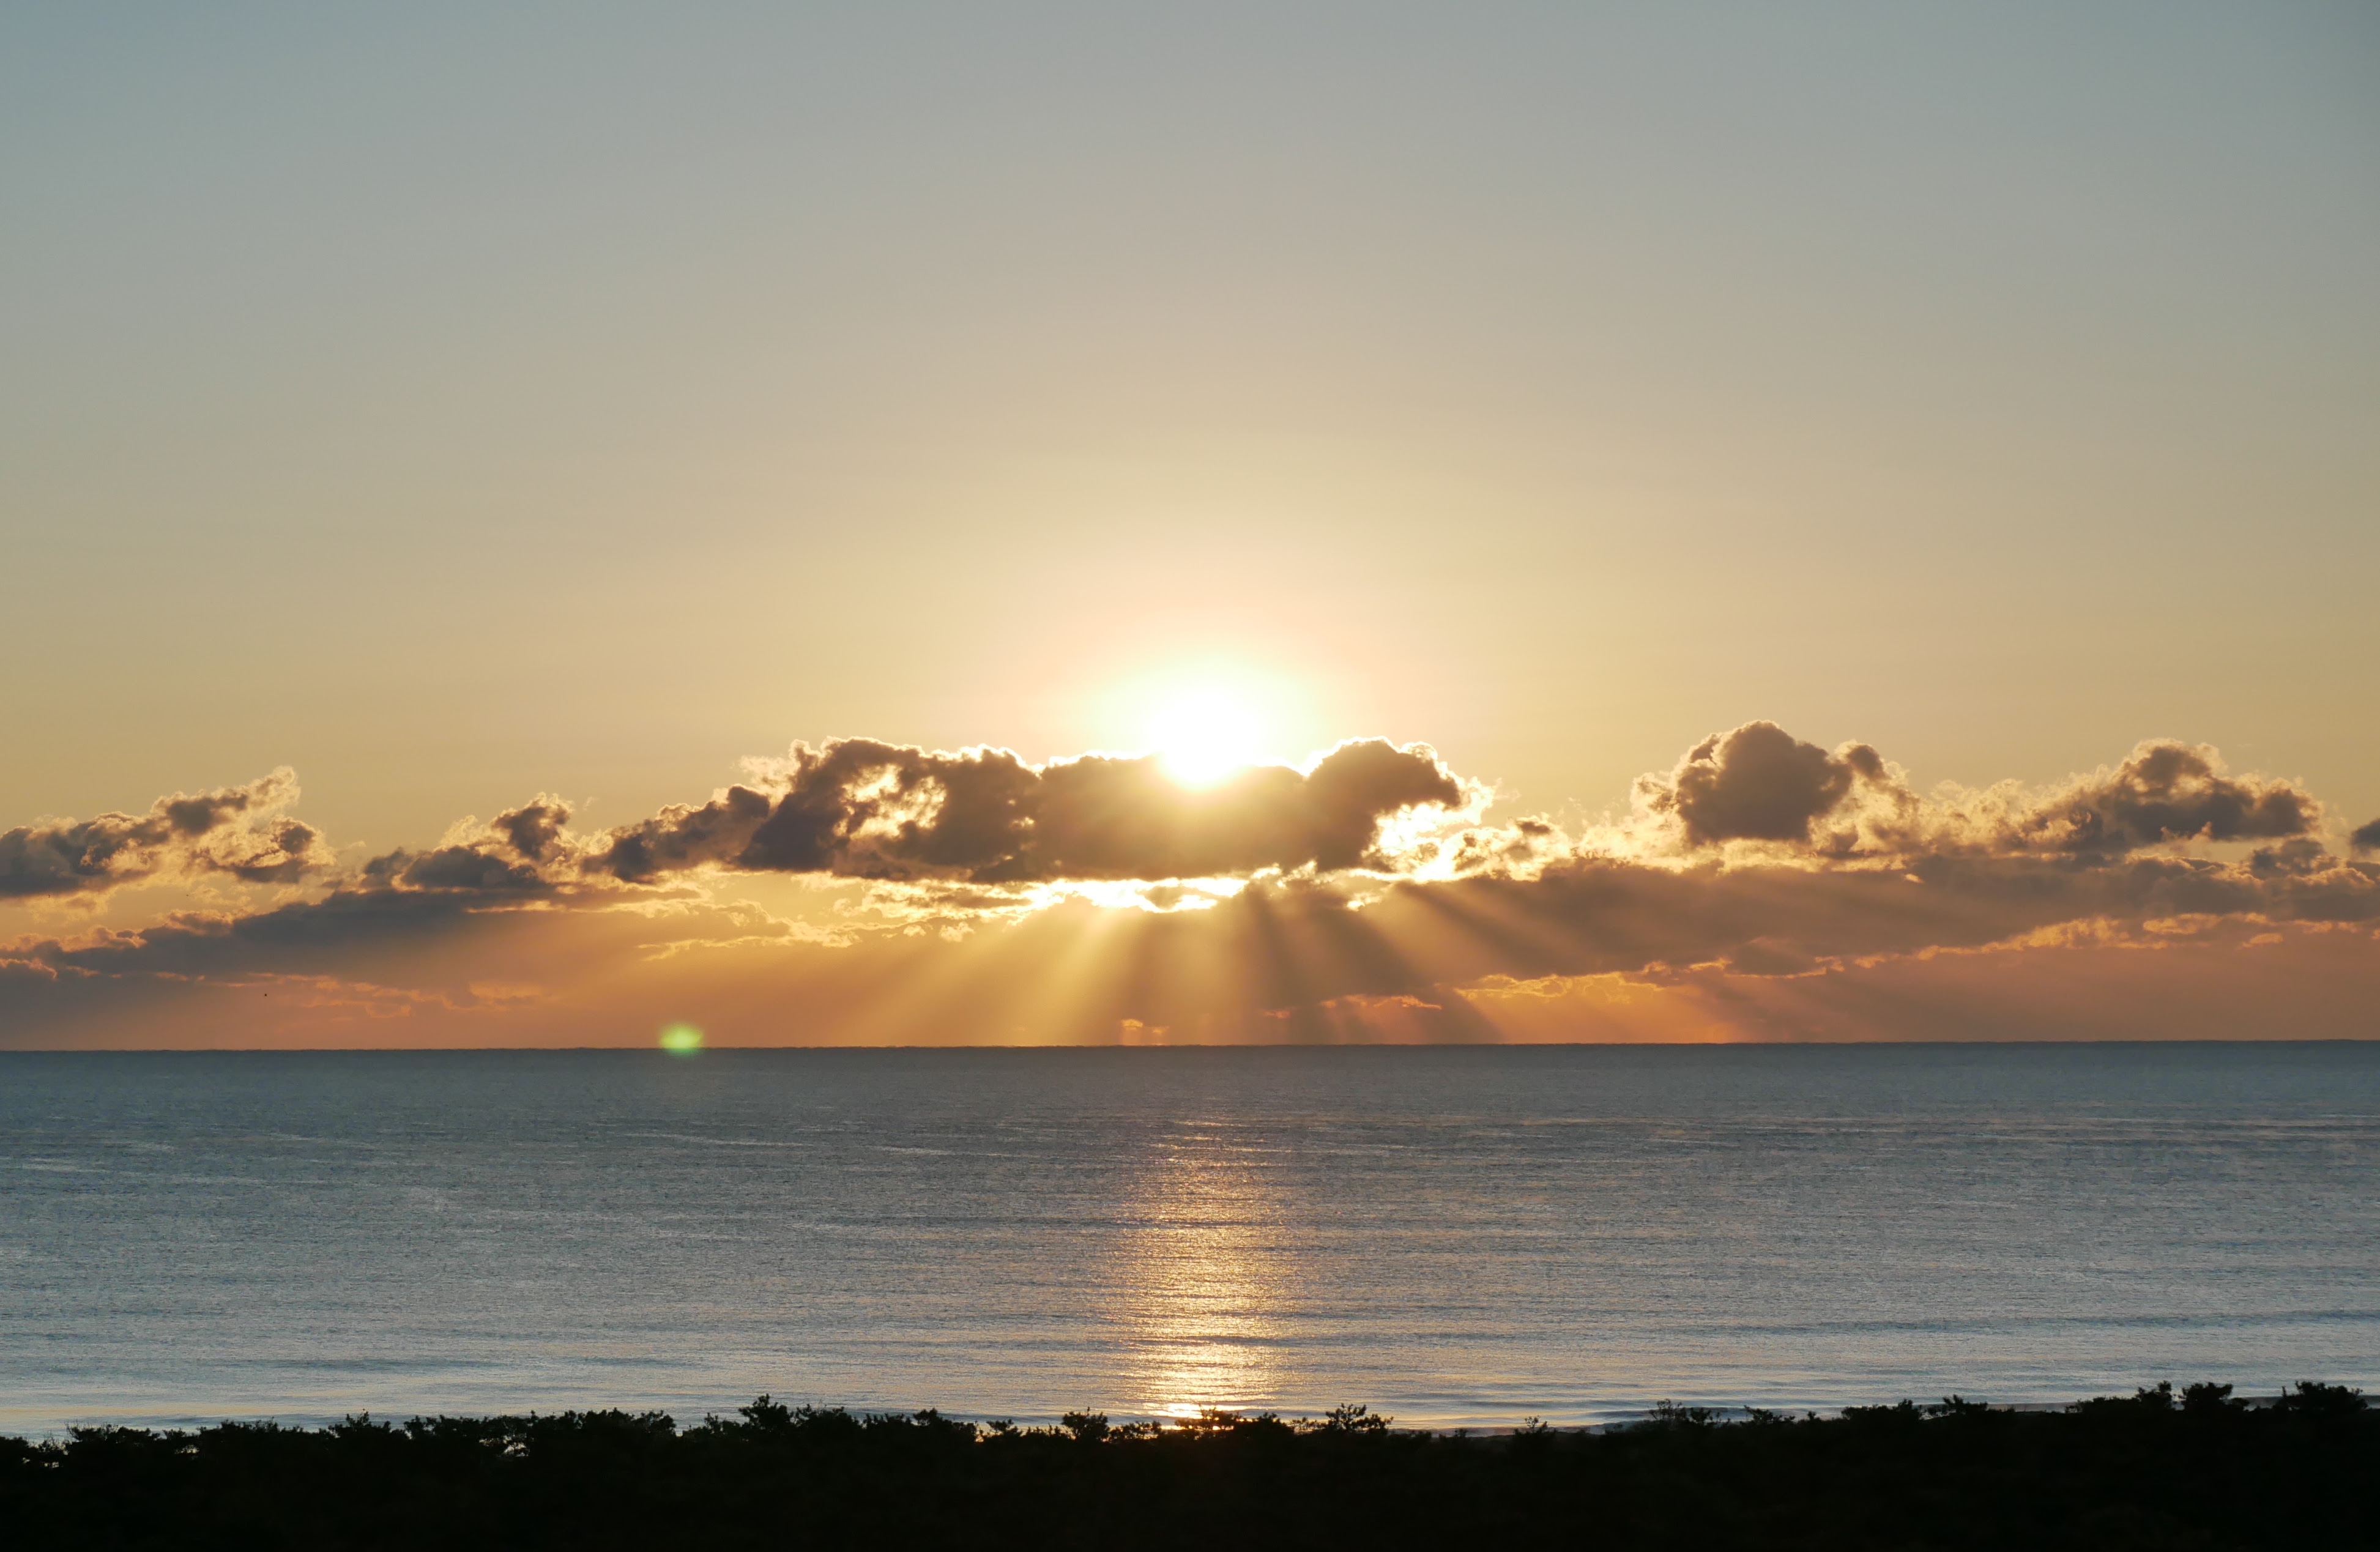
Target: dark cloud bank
[(1756, 856)]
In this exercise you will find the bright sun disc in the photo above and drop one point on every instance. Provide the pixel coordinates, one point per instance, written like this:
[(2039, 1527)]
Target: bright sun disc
[(683, 1039), (1204, 736)]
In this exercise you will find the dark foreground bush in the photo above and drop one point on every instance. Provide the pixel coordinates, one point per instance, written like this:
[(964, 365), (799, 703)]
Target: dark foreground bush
[(2156, 1470)]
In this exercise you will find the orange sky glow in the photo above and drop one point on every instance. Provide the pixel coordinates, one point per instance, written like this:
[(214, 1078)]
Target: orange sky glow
[(1041, 523)]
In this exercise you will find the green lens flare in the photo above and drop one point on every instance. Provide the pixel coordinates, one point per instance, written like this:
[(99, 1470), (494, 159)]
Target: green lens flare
[(683, 1038)]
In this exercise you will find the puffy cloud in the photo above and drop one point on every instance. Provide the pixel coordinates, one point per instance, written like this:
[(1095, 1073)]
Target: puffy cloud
[(1758, 783), (534, 831), (2165, 791), (859, 808), (515, 853), (681, 836), (2366, 838), (235, 831)]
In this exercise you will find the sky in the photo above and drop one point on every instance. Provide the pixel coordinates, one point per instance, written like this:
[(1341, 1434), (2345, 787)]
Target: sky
[(1716, 474)]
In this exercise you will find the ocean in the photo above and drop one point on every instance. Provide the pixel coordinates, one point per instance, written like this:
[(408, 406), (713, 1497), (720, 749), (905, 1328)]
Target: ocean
[(1455, 1236)]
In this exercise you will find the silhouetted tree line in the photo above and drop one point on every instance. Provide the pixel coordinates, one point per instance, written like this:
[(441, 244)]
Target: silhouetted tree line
[(2156, 1470)]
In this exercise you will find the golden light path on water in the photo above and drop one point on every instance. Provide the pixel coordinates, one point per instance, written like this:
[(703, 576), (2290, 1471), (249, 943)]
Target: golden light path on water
[(1204, 1282)]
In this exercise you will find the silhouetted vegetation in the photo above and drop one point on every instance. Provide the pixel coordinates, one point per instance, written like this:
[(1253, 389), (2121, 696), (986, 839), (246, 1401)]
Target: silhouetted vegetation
[(2154, 1470)]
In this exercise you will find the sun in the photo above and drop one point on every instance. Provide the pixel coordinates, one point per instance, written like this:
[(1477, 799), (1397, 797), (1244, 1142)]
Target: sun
[(1205, 720), (1205, 734)]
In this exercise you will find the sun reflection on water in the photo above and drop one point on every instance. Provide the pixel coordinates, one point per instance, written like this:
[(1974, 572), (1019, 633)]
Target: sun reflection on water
[(1203, 1290)]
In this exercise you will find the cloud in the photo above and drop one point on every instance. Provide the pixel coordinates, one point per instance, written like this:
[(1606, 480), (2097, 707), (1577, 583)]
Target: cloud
[(1760, 784), (518, 852), (301, 937), (1758, 868), (1757, 782), (235, 831), (2165, 792), (862, 810), (2366, 838), (2241, 982), (1589, 916)]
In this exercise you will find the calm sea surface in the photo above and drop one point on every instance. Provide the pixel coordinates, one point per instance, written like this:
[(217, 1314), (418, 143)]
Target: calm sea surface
[(1453, 1235)]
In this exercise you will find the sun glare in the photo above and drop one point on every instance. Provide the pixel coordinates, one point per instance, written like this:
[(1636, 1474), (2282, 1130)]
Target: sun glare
[(1205, 736)]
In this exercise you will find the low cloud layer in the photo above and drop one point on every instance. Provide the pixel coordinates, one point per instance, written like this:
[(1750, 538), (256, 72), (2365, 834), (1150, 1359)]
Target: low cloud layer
[(240, 832), (1363, 888)]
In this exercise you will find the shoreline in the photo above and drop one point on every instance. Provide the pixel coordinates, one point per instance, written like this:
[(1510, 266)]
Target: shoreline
[(183, 1424)]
